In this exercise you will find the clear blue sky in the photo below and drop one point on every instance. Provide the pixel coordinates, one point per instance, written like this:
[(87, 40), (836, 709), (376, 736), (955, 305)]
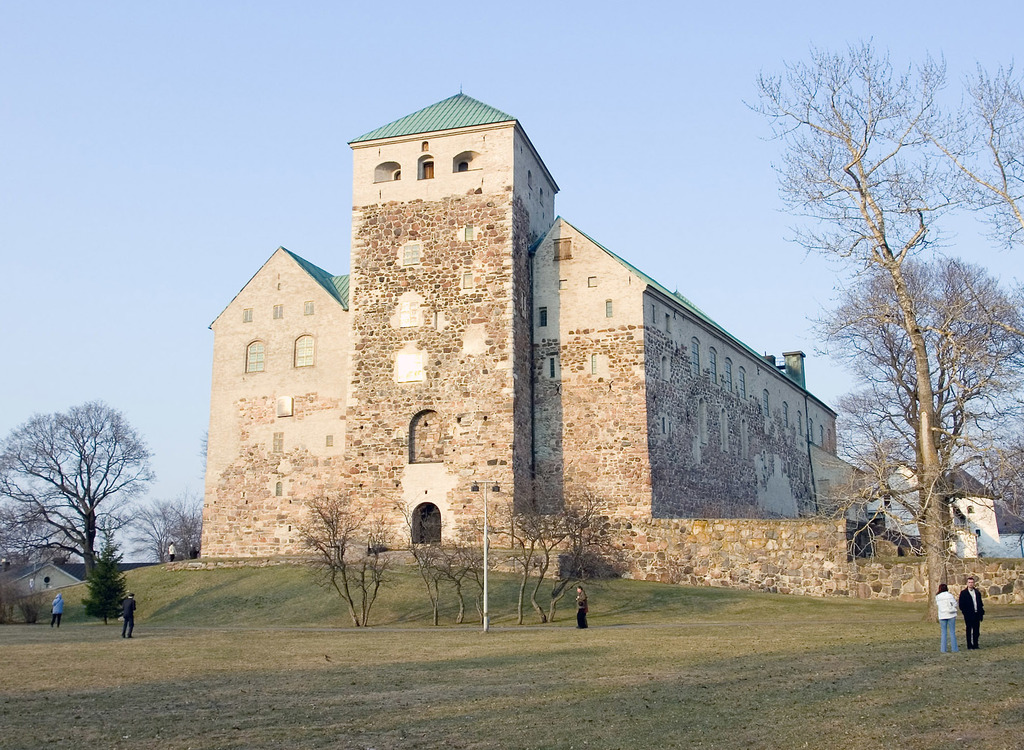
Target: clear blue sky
[(154, 154)]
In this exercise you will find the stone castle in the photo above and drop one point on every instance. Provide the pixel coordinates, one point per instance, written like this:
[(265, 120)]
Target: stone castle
[(481, 339)]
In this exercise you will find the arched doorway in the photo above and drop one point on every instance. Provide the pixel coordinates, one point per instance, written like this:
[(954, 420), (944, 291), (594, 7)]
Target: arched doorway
[(426, 524)]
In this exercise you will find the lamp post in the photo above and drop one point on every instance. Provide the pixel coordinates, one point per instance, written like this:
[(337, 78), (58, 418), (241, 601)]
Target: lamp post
[(476, 488)]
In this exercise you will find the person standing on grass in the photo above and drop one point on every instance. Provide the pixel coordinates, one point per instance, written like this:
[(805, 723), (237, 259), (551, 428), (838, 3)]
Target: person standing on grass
[(57, 609), (128, 612), (170, 551), (581, 607), (946, 604), (974, 612)]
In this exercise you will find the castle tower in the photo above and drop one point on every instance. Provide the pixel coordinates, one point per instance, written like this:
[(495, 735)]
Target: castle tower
[(446, 204)]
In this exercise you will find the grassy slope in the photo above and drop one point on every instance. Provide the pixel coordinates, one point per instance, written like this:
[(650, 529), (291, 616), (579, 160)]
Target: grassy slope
[(288, 596)]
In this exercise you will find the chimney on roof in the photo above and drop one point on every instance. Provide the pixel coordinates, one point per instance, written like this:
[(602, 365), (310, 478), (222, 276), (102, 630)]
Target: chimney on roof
[(770, 359), (795, 368)]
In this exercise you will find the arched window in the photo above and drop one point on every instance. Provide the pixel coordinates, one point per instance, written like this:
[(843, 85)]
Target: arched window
[(743, 384), (723, 427), (279, 489), (821, 435), (695, 357), (728, 374), (810, 430), (702, 422), (464, 162), (304, 351), (799, 423), (425, 438), (666, 368), (426, 524), (713, 365), (765, 407), (254, 357), (744, 439), (425, 168), (387, 171), (785, 414)]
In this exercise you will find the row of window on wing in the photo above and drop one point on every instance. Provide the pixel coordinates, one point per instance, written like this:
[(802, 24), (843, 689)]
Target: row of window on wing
[(278, 313), (256, 354), (391, 171)]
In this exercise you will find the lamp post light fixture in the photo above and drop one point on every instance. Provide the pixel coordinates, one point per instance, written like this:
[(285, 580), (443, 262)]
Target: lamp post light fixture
[(494, 488)]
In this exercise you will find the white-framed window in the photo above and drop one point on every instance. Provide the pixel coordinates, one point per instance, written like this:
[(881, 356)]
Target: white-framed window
[(304, 351), (278, 442), (307, 307), (469, 233), (329, 441), (254, 357), (608, 308), (409, 367), (412, 254), (467, 280), (247, 315), (278, 312), (410, 313), (593, 364)]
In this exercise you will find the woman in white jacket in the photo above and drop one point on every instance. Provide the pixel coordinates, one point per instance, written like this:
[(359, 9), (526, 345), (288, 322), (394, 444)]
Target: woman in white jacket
[(946, 604)]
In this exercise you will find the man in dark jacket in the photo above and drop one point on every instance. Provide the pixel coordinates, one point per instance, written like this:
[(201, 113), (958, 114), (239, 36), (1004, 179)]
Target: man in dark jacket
[(128, 611), (974, 612)]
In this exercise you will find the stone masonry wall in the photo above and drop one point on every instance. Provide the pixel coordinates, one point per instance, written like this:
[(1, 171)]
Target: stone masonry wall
[(801, 556), (461, 326)]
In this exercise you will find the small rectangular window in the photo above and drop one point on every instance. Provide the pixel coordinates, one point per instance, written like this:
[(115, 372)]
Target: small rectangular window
[(608, 308), (542, 317), (551, 367), (285, 406), (278, 442), (307, 308), (467, 281), (563, 249), (247, 315), (278, 312), (563, 283), (593, 364), (330, 441), (411, 254), (470, 233), (591, 281), (668, 323)]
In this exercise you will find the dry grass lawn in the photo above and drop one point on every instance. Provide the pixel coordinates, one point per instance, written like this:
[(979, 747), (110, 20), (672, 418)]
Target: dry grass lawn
[(662, 667)]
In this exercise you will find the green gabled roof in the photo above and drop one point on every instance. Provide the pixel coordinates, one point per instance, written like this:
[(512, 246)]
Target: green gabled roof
[(459, 111), (336, 286)]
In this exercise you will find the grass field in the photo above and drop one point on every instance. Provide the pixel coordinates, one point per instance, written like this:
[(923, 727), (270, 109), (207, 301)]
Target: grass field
[(261, 658)]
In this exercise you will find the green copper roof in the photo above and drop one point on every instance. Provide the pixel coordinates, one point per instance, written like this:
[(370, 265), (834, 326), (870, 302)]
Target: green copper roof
[(459, 111), (336, 286)]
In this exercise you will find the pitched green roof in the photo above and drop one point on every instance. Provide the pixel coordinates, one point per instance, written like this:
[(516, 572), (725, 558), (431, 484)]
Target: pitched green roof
[(336, 286), (459, 111)]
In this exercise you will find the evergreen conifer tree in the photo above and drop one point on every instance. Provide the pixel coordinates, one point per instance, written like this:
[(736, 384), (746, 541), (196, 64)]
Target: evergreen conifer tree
[(107, 587)]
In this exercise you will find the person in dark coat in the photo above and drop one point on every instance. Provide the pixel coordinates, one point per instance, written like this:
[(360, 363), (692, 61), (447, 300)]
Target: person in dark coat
[(128, 612), (581, 607), (974, 612)]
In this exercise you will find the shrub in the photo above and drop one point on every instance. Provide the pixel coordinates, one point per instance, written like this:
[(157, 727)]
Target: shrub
[(31, 605)]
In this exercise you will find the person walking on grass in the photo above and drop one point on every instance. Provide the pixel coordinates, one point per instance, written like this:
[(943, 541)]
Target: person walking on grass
[(581, 607), (946, 604), (974, 612), (128, 612), (57, 610), (170, 551)]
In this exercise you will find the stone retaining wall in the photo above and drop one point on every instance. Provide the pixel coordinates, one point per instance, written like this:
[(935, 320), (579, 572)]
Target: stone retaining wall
[(806, 557)]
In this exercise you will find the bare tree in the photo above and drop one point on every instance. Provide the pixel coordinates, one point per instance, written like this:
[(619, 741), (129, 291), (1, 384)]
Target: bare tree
[(350, 552), (179, 520), (70, 473), (859, 164), (985, 143)]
